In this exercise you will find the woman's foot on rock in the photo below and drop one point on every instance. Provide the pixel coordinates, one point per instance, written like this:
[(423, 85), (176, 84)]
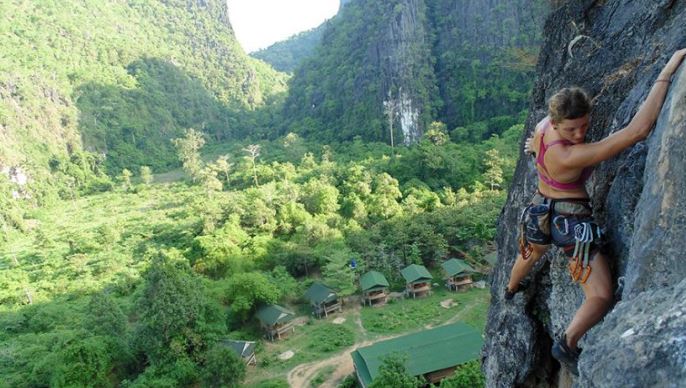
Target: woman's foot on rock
[(566, 356), (509, 294)]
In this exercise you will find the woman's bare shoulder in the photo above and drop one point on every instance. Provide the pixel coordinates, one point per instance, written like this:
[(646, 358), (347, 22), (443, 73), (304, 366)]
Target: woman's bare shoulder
[(540, 127), (542, 124)]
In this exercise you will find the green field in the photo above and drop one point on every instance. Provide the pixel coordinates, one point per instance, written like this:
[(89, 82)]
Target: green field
[(80, 298)]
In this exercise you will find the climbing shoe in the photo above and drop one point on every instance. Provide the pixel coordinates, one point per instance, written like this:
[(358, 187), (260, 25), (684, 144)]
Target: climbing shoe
[(566, 356), (523, 285)]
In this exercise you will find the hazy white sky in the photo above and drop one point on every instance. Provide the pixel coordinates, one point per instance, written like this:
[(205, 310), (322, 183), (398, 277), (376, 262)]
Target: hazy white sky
[(259, 23)]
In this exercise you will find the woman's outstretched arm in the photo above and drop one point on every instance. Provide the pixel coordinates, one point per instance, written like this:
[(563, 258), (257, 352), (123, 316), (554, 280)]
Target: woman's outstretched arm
[(584, 155), (647, 114)]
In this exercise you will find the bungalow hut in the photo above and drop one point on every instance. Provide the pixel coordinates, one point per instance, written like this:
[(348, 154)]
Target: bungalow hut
[(323, 300), (276, 321), (374, 288), (418, 280), (458, 274), (433, 354), (245, 349)]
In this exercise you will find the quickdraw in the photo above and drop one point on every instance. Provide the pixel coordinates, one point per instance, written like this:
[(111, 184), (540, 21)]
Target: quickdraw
[(580, 269)]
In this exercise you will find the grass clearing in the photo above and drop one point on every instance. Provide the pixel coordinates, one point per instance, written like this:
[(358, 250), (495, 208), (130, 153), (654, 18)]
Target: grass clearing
[(315, 340), (322, 376), (411, 314)]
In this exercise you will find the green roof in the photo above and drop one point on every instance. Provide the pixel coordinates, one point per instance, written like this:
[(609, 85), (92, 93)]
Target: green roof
[(454, 267), (413, 273), (273, 314), (372, 280), (319, 293), (425, 351), (242, 348)]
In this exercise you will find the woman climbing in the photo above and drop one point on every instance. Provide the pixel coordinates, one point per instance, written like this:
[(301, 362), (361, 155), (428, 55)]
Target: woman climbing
[(560, 211)]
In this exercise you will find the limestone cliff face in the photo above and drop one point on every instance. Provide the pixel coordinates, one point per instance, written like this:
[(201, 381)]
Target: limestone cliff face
[(372, 73), (403, 56), (389, 68), (614, 49)]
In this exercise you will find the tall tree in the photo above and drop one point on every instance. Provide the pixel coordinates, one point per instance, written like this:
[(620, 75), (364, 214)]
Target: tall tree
[(188, 152), (494, 174), (146, 175), (245, 291), (253, 152), (125, 179), (171, 310)]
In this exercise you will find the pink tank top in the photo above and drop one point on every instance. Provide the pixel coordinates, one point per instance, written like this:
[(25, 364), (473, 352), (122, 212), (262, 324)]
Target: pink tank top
[(585, 173)]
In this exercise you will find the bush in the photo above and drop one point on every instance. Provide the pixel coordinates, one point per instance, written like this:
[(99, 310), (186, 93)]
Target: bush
[(349, 382), (85, 362), (468, 375), (273, 383), (223, 367), (329, 338), (393, 373)]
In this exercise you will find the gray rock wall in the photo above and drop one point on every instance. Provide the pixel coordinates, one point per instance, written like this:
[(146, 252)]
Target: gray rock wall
[(639, 196), (403, 55)]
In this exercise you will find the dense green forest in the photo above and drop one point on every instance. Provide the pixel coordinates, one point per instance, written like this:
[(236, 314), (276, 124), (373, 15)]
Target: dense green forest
[(287, 55), (138, 284), (175, 184)]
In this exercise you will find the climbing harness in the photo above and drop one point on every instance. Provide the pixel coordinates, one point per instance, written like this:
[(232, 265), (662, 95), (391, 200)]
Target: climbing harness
[(534, 225), (571, 228), (584, 235)]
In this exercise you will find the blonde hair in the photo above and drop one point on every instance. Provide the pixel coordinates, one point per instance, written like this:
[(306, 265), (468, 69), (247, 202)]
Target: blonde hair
[(569, 103)]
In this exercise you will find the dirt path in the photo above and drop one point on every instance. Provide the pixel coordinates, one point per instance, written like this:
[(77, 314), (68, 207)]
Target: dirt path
[(302, 375), (457, 316)]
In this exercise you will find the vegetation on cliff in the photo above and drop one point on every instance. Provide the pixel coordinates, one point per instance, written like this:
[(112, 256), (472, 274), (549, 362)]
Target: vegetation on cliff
[(287, 55), (454, 62), (119, 80)]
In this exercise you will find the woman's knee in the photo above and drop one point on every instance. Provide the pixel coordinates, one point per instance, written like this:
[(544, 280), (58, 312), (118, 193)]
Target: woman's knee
[(599, 284)]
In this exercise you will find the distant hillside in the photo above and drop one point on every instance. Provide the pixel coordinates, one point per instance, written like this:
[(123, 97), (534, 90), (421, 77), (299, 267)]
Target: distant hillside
[(119, 79), (402, 64), (288, 54)]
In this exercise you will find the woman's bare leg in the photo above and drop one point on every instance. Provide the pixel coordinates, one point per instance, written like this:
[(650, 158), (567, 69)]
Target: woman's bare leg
[(598, 291), (522, 267)]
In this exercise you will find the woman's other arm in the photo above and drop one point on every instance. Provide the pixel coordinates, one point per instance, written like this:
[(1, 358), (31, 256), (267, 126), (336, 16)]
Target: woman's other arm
[(533, 142)]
